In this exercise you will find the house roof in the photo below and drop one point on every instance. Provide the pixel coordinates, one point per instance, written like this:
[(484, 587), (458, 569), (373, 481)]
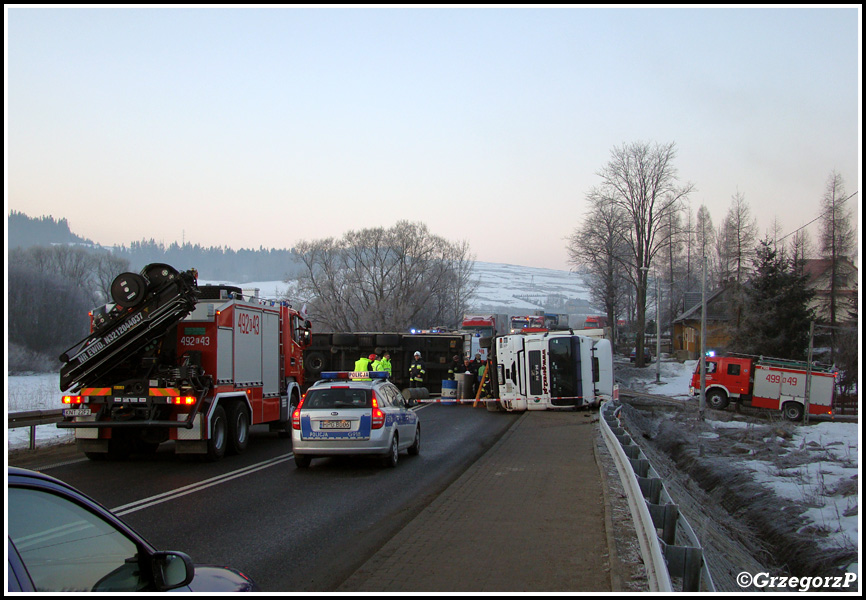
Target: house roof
[(716, 310), (815, 268)]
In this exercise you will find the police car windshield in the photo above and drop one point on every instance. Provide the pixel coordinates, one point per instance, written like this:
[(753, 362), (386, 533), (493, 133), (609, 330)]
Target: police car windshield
[(339, 397)]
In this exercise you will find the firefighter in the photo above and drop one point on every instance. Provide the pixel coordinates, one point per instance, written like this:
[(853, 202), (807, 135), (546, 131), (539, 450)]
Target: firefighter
[(455, 367), (416, 371), (364, 364), (470, 367)]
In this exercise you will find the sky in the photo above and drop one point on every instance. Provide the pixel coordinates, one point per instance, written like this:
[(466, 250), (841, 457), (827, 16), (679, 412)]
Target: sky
[(260, 127)]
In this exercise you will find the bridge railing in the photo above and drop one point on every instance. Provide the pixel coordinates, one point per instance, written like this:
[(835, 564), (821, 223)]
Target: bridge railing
[(32, 418), (657, 517)]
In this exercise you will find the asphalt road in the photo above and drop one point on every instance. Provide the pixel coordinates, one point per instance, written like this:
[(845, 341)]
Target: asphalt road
[(289, 529)]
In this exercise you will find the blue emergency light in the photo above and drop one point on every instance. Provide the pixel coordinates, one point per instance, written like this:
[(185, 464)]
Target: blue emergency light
[(336, 375)]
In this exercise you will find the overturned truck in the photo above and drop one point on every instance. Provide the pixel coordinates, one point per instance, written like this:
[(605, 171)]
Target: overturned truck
[(339, 351)]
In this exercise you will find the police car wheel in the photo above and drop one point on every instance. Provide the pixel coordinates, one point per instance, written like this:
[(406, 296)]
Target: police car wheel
[(393, 453), (302, 461), (415, 448)]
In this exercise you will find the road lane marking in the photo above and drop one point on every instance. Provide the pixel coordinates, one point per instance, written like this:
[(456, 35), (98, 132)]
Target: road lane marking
[(196, 487)]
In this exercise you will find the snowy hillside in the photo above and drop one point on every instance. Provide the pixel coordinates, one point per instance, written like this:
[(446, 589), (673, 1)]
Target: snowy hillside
[(502, 288)]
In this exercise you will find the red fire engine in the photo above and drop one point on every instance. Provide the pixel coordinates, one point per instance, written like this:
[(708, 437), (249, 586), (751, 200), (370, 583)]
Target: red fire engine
[(767, 383), (170, 360)]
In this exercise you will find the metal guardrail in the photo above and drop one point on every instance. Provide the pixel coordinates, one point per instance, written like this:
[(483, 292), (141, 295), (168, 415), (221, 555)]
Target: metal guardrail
[(32, 418), (657, 518)]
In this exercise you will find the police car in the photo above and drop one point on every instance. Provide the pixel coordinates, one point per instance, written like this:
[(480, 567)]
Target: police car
[(354, 413)]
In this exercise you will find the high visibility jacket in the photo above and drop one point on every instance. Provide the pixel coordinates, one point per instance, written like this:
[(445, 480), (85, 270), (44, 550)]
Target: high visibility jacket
[(362, 364), (383, 365)]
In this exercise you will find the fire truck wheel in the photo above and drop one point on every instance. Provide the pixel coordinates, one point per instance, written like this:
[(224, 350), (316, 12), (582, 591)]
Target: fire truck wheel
[(793, 411), (717, 399), (239, 428), (216, 445)]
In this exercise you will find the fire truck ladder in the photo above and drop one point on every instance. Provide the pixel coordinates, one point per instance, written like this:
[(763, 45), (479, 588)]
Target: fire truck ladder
[(150, 303)]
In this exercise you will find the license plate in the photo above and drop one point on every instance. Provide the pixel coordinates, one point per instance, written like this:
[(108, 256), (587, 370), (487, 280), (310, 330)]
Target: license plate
[(335, 425), (76, 412)]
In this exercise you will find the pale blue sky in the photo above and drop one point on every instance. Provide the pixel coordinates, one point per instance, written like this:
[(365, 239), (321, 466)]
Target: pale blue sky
[(262, 126)]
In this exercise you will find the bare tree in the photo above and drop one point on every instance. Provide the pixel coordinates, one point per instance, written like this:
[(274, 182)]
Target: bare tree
[(738, 240), (641, 181), (386, 279), (801, 247), (599, 247), (107, 267), (838, 242)]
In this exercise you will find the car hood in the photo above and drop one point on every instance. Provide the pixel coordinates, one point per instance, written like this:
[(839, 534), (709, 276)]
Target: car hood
[(212, 578)]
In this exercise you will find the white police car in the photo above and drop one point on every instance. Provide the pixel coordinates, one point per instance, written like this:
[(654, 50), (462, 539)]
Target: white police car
[(354, 413)]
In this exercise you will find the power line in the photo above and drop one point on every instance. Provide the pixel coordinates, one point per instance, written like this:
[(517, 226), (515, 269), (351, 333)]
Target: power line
[(815, 219)]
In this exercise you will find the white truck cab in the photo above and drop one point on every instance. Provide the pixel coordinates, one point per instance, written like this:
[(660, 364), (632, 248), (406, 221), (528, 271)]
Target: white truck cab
[(551, 370)]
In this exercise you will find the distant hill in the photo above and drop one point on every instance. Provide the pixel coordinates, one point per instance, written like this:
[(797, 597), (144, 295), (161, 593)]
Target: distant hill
[(27, 231), (509, 289)]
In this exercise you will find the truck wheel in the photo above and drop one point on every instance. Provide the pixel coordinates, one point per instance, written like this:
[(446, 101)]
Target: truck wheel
[(314, 362), (388, 339), (717, 399), (238, 428), (216, 445), (793, 411), (344, 339)]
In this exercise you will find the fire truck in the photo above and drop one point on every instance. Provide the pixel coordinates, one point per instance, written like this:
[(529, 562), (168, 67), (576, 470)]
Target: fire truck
[(550, 370), (171, 360), (767, 383), (484, 327), (530, 322)]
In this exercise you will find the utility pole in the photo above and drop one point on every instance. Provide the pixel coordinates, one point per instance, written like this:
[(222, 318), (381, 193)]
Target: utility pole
[(809, 374), (658, 332), (703, 340)]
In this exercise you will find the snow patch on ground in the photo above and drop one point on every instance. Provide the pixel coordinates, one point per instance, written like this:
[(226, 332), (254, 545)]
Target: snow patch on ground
[(815, 467)]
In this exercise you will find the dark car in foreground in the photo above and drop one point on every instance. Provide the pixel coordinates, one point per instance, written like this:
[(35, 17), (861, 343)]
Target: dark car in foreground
[(60, 540)]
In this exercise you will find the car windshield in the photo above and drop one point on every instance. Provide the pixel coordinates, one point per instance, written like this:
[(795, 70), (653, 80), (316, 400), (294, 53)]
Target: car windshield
[(339, 397)]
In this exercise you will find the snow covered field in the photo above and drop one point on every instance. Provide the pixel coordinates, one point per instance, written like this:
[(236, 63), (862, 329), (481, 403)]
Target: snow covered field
[(823, 482), (818, 466)]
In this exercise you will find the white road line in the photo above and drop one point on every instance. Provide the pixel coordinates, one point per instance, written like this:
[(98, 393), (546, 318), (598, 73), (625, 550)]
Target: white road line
[(196, 487)]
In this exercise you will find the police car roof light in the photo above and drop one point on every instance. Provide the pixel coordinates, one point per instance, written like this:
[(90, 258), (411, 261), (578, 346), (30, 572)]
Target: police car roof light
[(354, 375)]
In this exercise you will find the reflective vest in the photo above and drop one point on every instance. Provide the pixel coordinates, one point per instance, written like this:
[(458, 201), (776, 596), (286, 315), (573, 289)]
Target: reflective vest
[(383, 365), (362, 364)]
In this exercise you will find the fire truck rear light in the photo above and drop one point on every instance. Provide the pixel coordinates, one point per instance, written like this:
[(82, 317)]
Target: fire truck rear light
[(184, 400), (72, 399)]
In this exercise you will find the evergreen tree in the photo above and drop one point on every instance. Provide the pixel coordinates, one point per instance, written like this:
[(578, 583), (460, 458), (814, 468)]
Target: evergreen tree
[(776, 314)]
